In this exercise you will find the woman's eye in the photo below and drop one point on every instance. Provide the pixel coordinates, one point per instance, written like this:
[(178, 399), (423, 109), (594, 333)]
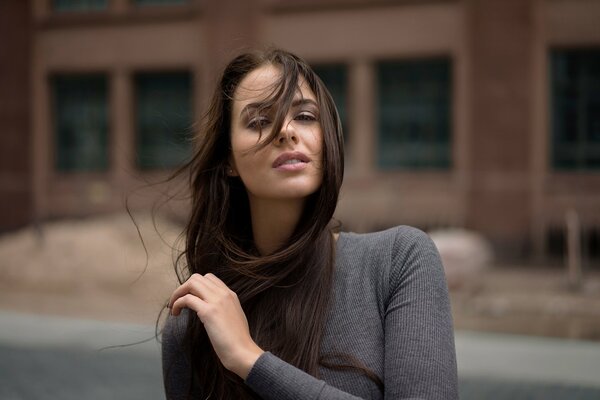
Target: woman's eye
[(258, 123), (305, 116)]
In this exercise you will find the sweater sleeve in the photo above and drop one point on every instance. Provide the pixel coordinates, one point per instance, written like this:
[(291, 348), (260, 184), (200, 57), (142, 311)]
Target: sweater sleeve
[(274, 379), (420, 356)]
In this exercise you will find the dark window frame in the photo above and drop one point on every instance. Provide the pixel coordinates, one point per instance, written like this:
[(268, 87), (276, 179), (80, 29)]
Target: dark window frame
[(177, 131), (83, 157), (77, 6), (335, 76), (574, 86), (418, 145), (159, 3)]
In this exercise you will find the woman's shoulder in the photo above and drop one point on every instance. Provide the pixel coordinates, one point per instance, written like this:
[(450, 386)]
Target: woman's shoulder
[(397, 239), (389, 256), (174, 329)]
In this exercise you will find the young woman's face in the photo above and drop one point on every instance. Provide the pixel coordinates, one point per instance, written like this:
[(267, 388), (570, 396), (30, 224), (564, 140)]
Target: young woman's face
[(290, 167)]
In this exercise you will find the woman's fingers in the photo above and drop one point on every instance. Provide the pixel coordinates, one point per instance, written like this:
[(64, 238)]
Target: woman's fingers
[(216, 281), (197, 285), (224, 289), (188, 301)]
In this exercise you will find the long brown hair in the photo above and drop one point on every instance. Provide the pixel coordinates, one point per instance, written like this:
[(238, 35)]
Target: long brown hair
[(285, 294)]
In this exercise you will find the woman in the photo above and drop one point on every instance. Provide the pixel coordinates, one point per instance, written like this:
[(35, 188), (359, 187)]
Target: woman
[(275, 304)]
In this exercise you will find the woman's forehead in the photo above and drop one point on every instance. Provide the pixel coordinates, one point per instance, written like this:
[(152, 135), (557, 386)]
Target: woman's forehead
[(261, 83)]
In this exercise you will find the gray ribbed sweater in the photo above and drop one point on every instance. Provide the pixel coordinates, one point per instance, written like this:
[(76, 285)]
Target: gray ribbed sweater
[(390, 309)]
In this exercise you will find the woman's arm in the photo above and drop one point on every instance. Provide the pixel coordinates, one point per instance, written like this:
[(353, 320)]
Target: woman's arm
[(420, 358), (219, 310), (419, 339)]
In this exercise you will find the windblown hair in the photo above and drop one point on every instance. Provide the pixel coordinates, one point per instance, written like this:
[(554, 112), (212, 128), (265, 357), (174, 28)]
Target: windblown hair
[(286, 294)]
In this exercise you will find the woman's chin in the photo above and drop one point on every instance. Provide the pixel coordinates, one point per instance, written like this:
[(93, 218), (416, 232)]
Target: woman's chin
[(289, 189), (285, 193)]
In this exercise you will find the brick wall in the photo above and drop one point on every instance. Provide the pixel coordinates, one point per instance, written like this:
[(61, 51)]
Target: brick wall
[(15, 162)]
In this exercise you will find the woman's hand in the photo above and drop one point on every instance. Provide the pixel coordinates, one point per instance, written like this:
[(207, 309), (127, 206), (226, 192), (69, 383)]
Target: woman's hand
[(224, 320)]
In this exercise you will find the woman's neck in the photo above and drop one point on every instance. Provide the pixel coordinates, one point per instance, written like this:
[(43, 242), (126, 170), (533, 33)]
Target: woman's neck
[(273, 222)]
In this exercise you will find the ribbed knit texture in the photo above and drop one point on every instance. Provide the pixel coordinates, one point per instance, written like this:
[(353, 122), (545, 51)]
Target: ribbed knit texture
[(390, 309)]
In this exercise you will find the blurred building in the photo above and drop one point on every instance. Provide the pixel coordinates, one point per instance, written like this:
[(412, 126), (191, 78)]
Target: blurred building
[(482, 114)]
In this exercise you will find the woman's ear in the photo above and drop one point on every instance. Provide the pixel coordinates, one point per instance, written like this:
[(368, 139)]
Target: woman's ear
[(231, 171)]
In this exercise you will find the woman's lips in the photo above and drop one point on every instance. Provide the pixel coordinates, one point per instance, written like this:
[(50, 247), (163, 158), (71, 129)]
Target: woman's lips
[(297, 166), (291, 161)]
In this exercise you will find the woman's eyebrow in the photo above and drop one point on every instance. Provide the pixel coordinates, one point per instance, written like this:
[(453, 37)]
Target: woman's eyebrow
[(250, 107), (303, 101)]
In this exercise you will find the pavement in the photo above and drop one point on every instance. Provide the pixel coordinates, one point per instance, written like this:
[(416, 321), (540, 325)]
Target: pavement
[(43, 357), (47, 357)]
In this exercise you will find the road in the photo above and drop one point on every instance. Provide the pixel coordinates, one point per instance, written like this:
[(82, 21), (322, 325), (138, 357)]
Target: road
[(44, 357)]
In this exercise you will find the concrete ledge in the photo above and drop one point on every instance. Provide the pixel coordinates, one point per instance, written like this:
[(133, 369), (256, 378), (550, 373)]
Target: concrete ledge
[(43, 331), (528, 358)]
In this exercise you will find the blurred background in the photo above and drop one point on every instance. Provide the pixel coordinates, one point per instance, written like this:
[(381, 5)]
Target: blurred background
[(477, 121)]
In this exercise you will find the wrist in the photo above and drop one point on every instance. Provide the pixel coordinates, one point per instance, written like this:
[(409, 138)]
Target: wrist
[(245, 361)]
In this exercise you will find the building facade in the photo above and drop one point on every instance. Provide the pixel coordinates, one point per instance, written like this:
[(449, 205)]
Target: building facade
[(483, 114)]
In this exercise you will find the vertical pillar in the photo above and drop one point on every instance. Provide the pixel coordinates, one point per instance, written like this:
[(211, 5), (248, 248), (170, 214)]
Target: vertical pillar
[(539, 128), (230, 27), (500, 40), (15, 100), (362, 122), (120, 7), (122, 133)]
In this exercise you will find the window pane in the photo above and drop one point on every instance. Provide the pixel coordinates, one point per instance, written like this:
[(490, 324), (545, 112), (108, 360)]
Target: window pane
[(154, 2), (80, 122), (335, 77), (163, 119), (414, 114), (79, 5), (575, 113)]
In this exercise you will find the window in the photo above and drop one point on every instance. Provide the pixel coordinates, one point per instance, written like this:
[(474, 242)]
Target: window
[(575, 114), (80, 122), (335, 77), (163, 119), (414, 121), (158, 2), (79, 5)]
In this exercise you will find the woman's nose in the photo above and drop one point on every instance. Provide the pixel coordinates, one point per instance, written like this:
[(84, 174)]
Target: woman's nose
[(286, 133)]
